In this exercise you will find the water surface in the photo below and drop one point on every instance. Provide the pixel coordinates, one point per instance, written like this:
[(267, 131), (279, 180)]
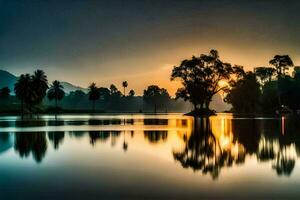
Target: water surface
[(149, 156)]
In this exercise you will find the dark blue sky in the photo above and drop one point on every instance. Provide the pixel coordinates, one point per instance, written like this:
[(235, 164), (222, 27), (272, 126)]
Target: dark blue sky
[(81, 41)]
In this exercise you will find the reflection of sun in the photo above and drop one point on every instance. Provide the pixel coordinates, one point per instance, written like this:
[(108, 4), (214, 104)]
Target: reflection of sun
[(225, 141)]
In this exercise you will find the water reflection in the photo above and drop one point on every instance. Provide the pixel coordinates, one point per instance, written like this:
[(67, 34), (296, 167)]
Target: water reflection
[(205, 145), (101, 136), (31, 143), (6, 142), (56, 138), (156, 136), (209, 152)]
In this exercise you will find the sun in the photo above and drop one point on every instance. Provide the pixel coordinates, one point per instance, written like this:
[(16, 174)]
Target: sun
[(223, 83)]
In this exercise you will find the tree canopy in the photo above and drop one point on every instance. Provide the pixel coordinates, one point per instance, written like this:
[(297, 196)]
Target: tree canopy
[(200, 77)]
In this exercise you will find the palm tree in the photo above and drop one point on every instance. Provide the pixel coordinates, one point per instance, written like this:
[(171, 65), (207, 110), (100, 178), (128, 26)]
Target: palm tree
[(56, 92), (94, 94), (23, 91), (40, 84), (125, 85)]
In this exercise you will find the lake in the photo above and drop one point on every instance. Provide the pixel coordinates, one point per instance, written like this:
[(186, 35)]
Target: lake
[(149, 156)]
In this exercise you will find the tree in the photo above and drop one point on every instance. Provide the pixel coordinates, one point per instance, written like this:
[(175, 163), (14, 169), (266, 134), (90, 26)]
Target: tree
[(94, 94), (154, 94), (31, 89), (125, 85), (245, 94), (264, 74), (269, 99), (200, 77), (24, 91), (131, 93), (4, 92), (56, 92), (104, 94), (40, 85), (281, 64), (113, 89), (115, 97)]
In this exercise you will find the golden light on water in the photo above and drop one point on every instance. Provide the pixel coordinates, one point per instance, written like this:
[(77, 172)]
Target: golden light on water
[(222, 130)]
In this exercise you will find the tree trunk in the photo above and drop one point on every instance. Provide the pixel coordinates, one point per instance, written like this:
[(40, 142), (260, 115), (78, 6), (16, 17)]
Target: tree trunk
[(279, 91), (22, 109), (56, 108)]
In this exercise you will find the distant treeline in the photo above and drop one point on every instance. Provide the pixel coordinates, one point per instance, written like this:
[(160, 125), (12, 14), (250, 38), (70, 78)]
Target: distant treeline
[(34, 96)]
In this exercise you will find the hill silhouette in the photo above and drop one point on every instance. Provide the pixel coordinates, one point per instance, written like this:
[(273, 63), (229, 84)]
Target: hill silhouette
[(8, 79)]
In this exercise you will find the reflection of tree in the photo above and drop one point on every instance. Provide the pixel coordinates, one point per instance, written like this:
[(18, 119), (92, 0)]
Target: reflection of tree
[(77, 134), (114, 137), (203, 151), (104, 121), (30, 123), (102, 136), (156, 136), (247, 132), (56, 138), (272, 145), (31, 142), (155, 121), (266, 150), (284, 163), (125, 144)]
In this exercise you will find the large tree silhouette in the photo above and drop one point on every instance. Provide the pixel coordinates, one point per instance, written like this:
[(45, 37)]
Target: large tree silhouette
[(200, 77), (40, 85), (24, 92), (31, 90), (281, 64), (244, 96)]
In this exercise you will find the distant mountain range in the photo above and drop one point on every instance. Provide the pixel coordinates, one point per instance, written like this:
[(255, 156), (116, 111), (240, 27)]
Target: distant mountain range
[(9, 80)]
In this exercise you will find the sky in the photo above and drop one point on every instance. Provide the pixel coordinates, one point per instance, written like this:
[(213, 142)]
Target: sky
[(84, 41)]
